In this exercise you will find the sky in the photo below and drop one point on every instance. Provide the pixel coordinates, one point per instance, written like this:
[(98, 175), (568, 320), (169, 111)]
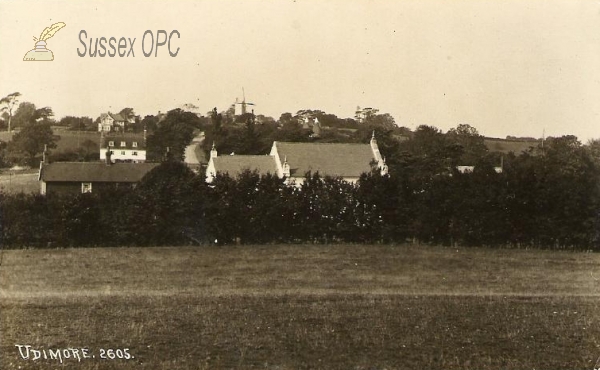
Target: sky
[(510, 67)]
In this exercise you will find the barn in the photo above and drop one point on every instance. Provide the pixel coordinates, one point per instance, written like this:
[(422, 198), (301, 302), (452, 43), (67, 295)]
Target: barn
[(87, 177)]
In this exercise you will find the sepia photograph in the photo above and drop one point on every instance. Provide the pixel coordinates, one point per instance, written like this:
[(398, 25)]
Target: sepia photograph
[(300, 184)]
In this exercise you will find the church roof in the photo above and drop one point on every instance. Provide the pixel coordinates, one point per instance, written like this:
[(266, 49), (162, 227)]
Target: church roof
[(329, 159), (236, 164)]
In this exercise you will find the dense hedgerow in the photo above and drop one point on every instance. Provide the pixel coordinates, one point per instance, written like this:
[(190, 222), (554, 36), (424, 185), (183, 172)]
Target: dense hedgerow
[(549, 200)]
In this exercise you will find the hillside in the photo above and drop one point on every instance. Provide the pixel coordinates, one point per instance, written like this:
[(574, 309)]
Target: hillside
[(507, 146), (68, 140)]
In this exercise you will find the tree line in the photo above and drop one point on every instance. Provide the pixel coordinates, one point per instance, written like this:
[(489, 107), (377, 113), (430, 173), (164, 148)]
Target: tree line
[(547, 197)]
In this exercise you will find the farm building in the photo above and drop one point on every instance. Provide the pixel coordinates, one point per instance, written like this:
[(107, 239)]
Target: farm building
[(86, 177), (293, 160)]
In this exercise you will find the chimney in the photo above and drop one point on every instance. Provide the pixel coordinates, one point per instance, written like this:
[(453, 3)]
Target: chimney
[(45, 156), (108, 155)]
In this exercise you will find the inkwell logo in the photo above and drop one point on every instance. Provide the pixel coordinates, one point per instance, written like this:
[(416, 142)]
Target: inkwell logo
[(40, 53)]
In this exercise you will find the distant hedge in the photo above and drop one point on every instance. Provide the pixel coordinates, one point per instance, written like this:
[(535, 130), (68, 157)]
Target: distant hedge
[(534, 202)]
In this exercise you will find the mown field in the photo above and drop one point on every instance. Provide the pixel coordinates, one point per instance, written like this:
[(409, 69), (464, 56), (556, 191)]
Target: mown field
[(303, 307), (19, 181)]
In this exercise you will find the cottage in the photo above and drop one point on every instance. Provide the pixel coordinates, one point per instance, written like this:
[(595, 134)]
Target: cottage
[(87, 177), (293, 160), (124, 148)]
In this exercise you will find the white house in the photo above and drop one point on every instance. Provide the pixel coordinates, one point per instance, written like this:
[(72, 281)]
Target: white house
[(112, 122), (124, 148)]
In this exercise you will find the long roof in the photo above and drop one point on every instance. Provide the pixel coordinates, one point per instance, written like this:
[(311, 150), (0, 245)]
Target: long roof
[(236, 164), (329, 159), (94, 172), (129, 139)]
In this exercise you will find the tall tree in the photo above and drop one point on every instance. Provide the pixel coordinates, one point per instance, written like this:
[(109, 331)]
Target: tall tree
[(30, 141), (384, 120), (127, 113), (472, 143), (8, 104), (43, 114), (25, 113), (175, 132)]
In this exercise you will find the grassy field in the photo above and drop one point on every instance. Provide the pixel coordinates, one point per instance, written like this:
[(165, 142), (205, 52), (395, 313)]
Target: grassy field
[(507, 146), (68, 140), (303, 307), (71, 140), (19, 181)]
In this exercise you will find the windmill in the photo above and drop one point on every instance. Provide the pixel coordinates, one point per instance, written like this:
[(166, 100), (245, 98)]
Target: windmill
[(243, 107)]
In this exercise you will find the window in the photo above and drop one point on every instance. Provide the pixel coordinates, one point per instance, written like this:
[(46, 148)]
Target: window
[(134, 144), (134, 153), (86, 187), (111, 143), (123, 143), (122, 152)]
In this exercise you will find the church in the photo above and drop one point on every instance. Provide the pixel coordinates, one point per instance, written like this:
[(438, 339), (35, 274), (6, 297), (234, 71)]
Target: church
[(293, 161)]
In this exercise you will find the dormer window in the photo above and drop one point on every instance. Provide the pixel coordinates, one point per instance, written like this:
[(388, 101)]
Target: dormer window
[(123, 143), (134, 144), (111, 143)]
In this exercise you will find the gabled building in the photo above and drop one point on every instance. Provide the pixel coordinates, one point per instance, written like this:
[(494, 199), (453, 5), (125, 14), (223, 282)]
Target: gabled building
[(311, 123), (112, 122), (87, 177), (123, 148), (293, 160)]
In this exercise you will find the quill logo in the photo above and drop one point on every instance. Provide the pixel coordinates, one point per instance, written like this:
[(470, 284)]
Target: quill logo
[(40, 52)]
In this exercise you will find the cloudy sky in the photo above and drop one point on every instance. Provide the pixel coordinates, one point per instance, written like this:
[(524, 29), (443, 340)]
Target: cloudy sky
[(506, 67)]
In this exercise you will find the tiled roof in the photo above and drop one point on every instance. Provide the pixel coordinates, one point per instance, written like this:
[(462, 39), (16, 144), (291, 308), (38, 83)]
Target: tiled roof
[(128, 139), (95, 171), (236, 164), (344, 160), (117, 117)]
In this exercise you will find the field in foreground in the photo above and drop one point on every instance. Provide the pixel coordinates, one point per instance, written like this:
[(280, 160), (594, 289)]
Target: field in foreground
[(303, 307)]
